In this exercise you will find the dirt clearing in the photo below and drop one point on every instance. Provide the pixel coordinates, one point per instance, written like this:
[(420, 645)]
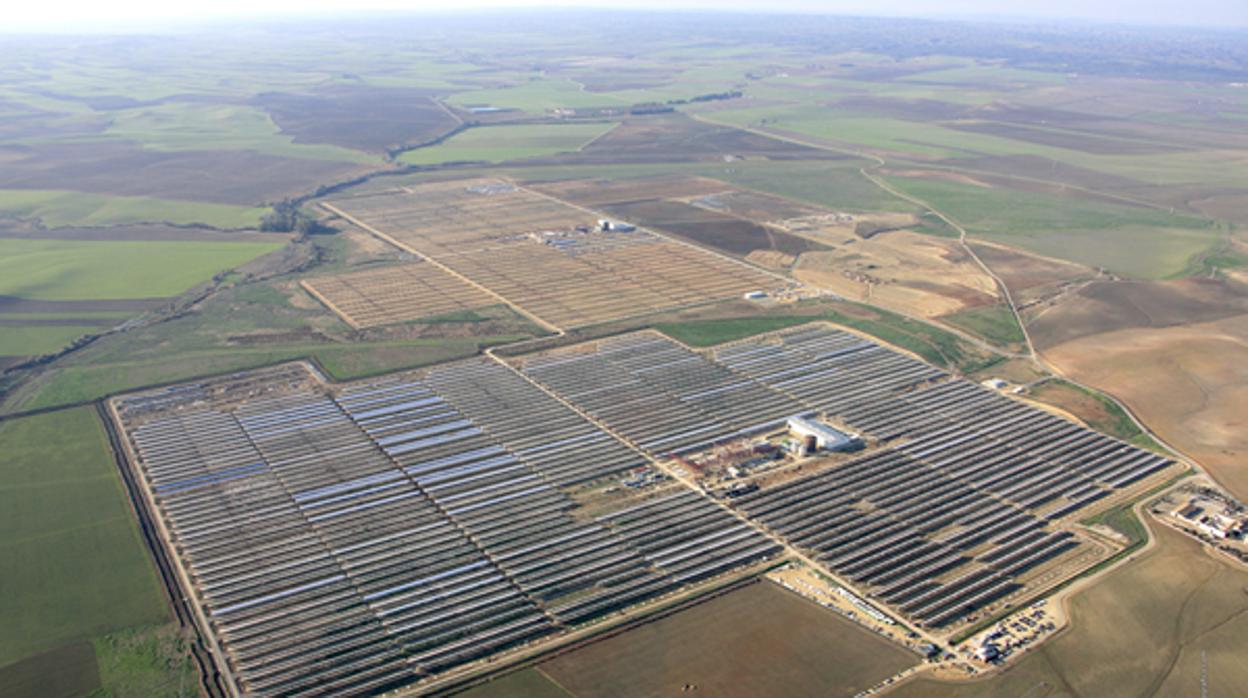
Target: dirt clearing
[(903, 271), (1196, 391), (758, 641)]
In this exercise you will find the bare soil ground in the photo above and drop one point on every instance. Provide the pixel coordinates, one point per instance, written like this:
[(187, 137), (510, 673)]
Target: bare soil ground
[(214, 176), (1022, 272), (758, 641), (1189, 383), (904, 271), (359, 116), (1108, 306), (770, 259)]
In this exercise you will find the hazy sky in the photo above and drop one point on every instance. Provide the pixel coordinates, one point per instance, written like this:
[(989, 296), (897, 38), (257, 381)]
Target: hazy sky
[(58, 13)]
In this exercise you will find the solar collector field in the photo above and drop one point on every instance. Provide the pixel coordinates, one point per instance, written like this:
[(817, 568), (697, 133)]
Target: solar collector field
[(950, 514), (546, 257), (345, 540), (402, 293), (350, 541), (660, 395), (962, 498)]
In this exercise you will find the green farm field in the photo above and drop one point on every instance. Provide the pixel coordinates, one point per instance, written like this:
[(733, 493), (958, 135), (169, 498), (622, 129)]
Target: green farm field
[(200, 127), (994, 323), (245, 327), (536, 96), (33, 340), (502, 143), (1132, 240), (74, 270), (73, 563), (57, 209)]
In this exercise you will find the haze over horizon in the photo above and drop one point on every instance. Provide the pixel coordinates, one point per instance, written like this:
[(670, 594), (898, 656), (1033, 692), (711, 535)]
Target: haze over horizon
[(80, 15)]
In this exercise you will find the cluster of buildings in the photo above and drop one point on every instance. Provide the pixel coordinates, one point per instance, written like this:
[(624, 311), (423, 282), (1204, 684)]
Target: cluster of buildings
[(1220, 525)]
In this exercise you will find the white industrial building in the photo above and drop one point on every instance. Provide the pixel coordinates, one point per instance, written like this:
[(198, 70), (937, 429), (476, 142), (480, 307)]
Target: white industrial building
[(606, 225), (827, 438)]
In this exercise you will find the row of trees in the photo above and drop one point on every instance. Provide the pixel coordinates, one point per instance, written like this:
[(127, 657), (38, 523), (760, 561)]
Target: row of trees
[(287, 217)]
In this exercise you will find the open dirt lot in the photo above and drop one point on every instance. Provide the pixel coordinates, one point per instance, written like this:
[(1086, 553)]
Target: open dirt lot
[(900, 270), (758, 641), (1029, 277), (389, 295), (1107, 306), (1196, 393)]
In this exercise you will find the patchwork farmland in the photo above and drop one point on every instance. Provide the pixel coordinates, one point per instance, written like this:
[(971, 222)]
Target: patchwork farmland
[(549, 260), (358, 537)]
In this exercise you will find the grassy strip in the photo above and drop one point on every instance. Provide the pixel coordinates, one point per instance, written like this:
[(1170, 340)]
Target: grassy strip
[(77, 384), (152, 662), (705, 333), (58, 208), (933, 344), (994, 323)]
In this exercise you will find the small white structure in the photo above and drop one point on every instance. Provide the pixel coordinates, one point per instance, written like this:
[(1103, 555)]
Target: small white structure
[(606, 225), (995, 384), (827, 438), (755, 295), (987, 652)]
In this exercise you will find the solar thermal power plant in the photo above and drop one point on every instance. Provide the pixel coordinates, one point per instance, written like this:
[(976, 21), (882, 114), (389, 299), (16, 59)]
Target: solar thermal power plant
[(958, 505), (548, 259), (963, 498), (353, 540)]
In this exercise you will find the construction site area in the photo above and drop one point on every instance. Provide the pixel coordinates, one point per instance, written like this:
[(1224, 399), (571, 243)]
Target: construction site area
[(352, 538), (558, 264)]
